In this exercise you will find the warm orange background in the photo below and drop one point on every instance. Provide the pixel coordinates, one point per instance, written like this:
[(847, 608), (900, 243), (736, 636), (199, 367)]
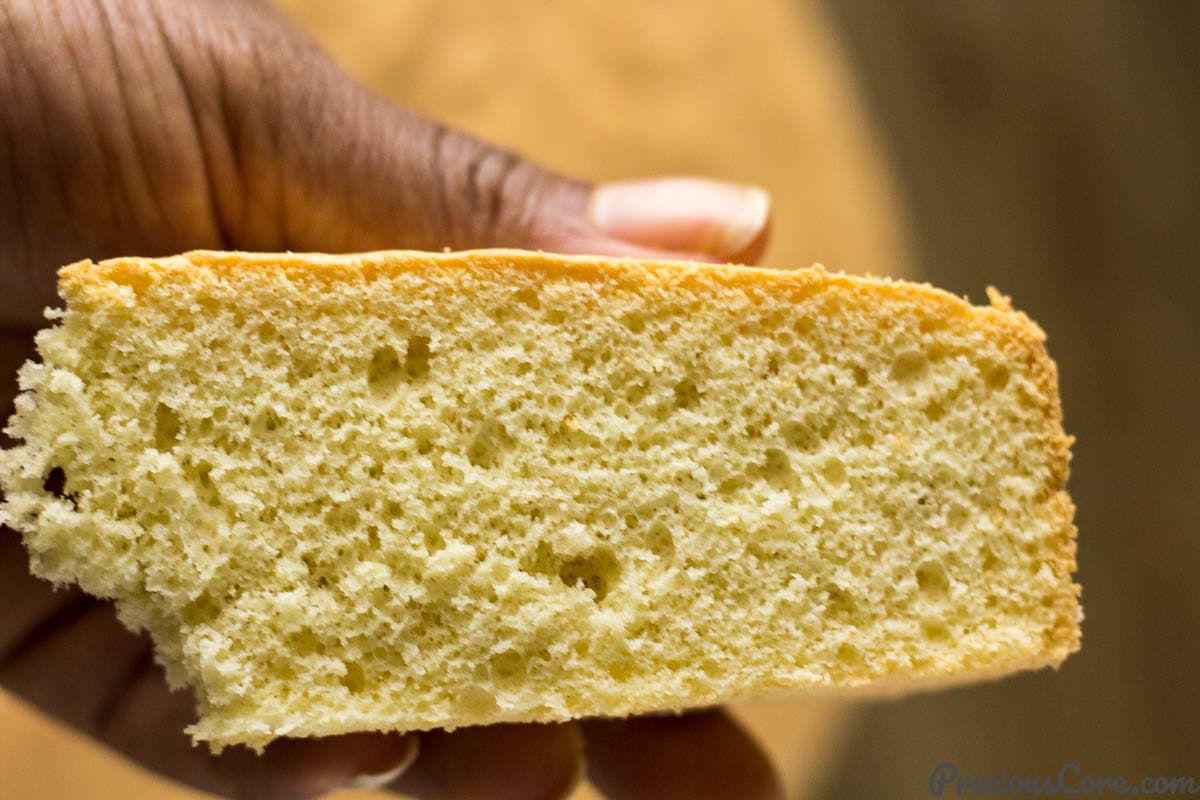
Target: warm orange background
[(755, 91)]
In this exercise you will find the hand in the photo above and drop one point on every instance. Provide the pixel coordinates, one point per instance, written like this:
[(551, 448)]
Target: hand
[(148, 127)]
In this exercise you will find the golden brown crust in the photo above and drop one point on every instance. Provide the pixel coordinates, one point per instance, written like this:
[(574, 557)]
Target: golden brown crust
[(137, 273)]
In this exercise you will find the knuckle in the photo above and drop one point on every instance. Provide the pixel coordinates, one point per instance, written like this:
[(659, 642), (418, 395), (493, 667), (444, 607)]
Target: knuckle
[(484, 191), (488, 175)]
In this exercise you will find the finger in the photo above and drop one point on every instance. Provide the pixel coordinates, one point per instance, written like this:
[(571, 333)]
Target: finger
[(352, 171), (703, 755), (148, 723), (28, 600), (497, 762), (75, 663), (458, 192), (685, 215)]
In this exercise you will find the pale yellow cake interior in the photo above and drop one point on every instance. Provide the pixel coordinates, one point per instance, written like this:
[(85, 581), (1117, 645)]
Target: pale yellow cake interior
[(403, 490)]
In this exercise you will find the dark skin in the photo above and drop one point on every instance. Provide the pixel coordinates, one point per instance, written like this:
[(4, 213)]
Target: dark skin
[(148, 127)]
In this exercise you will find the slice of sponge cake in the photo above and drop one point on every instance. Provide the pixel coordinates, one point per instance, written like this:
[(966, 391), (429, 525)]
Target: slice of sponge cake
[(407, 490)]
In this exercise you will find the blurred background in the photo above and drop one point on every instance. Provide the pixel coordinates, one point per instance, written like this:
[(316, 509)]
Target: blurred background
[(1049, 149)]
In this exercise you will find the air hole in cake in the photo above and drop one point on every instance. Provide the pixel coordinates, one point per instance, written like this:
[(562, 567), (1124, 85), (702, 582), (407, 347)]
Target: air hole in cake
[(424, 439), (931, 324), (935, 409), (55, 482), (934, 630), (266, 421), (506, 665), (839, 603), (392, 511), (434, 541), (305, 642), (848, 655), (478, 700), (776, 467), (620, 670), (807, 435), (995, 376), (342, 517), (804, 325), (528, 297), (863, 438), (166, 427), (202, 610), (416, 357), (635, 393), (304, 365), (383, 372), (988, 558), (958, 514), (932, 579), (354, 680), (152, 519), (597, 571), (732, 484), (585, 356), (686, 393), (488, 444), (660, 540), (834, 471), (908, 366)]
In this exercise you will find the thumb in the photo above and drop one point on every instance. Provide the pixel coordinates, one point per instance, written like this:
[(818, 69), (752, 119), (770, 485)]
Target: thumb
[(361, 173)]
